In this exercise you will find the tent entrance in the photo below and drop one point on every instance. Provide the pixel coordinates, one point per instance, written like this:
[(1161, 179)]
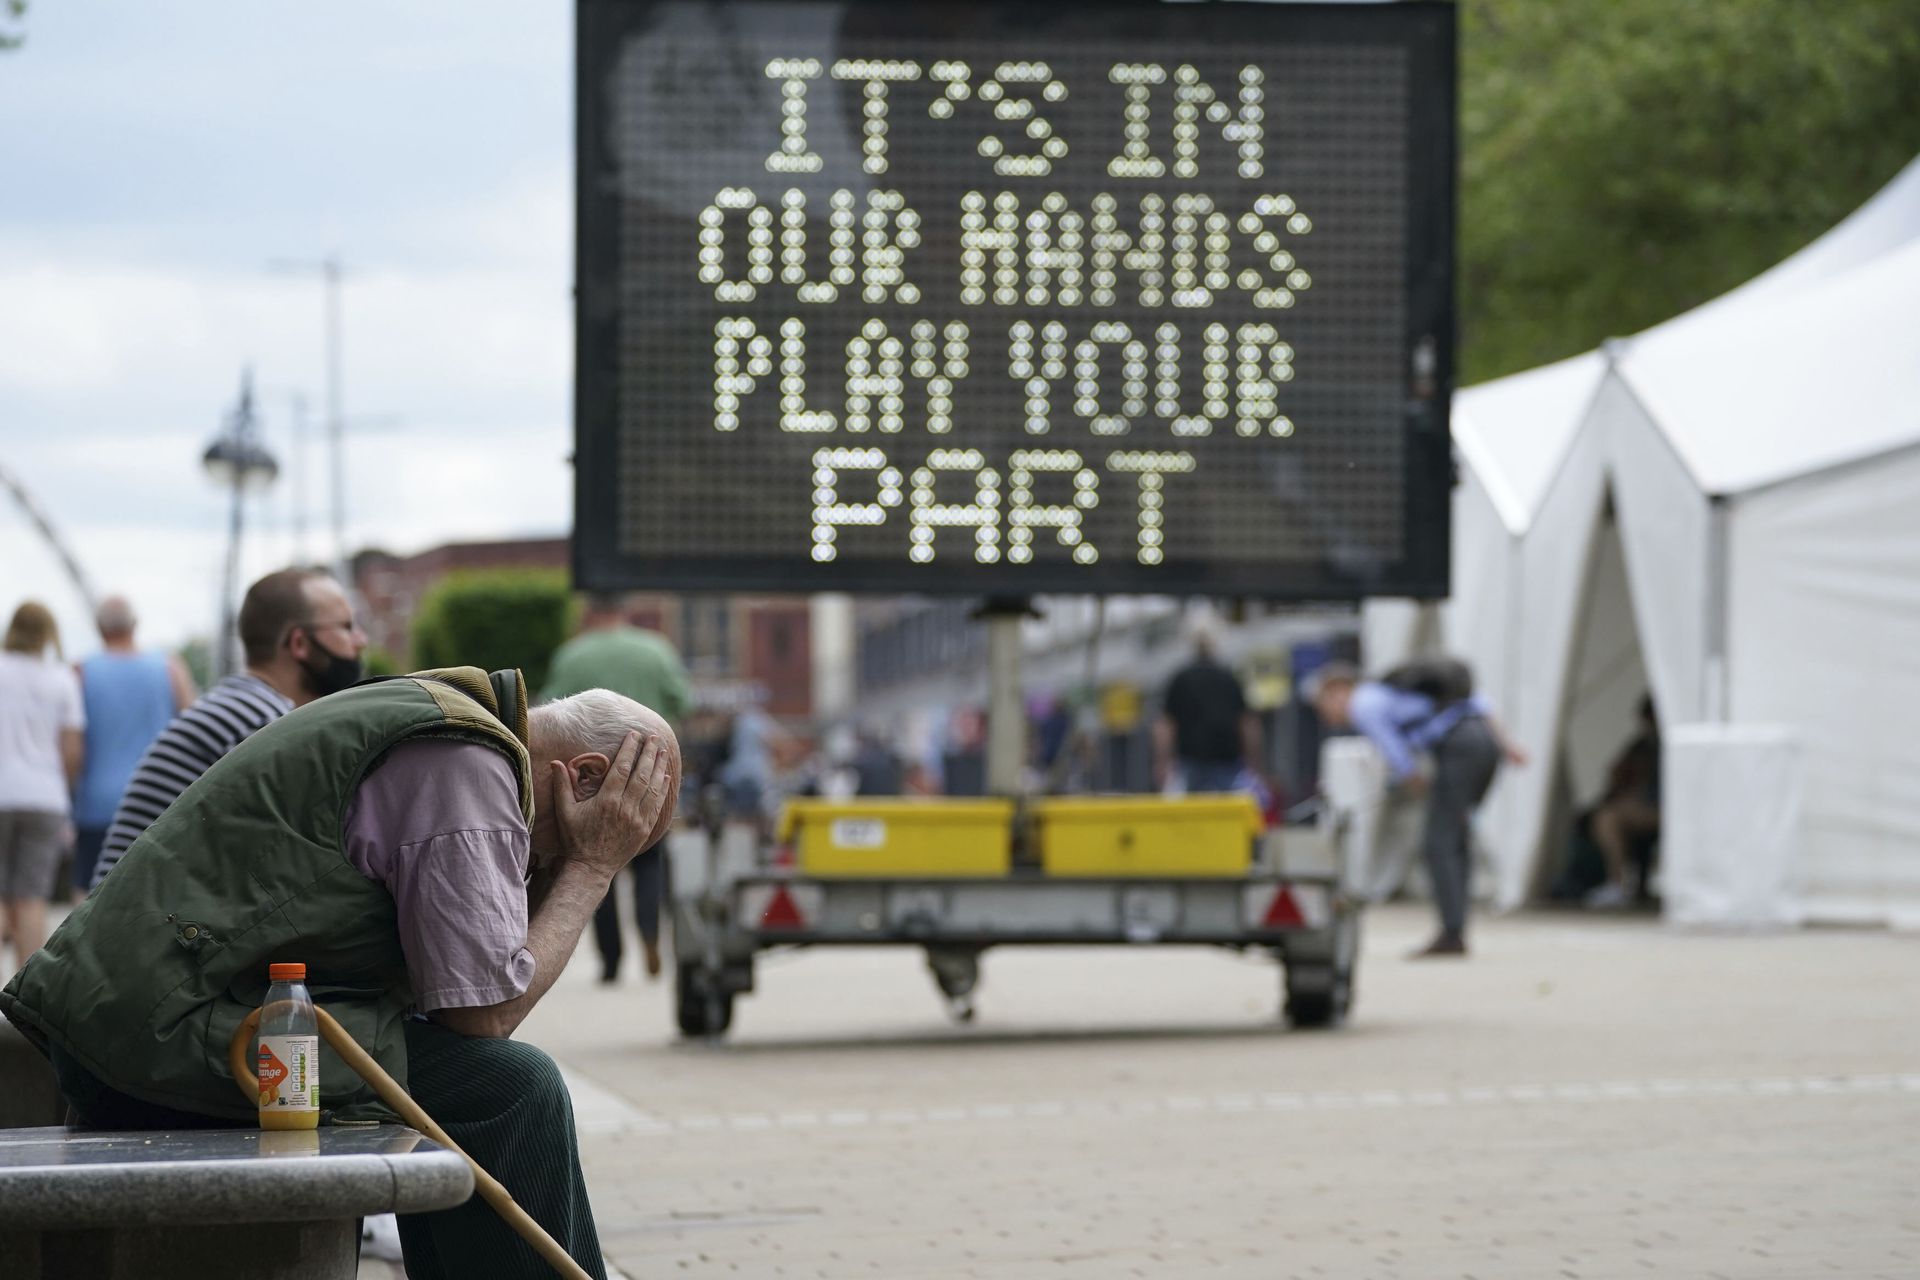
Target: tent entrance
[(1606, 681)]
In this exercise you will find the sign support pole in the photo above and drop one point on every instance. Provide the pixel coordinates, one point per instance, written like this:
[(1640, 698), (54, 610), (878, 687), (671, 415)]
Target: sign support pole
[(1006, 711)]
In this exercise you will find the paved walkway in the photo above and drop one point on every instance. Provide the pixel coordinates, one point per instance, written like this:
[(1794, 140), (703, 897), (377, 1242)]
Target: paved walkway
[(1583, 1098)]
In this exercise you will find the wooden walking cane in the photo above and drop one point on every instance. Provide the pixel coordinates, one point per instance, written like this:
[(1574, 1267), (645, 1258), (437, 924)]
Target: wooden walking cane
[(246, 1075)]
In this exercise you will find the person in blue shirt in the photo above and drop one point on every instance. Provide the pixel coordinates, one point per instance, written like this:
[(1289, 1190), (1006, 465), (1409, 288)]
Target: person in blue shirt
[(130, 697), (1427, 709)]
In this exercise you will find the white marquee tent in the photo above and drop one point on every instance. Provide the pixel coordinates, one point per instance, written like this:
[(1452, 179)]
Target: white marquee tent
[(1724, 510)]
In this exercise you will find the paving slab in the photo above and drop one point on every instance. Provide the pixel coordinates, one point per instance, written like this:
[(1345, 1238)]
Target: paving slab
[(1583, 1097)]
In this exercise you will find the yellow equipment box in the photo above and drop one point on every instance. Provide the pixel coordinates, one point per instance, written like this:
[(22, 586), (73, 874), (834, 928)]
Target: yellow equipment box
[(893, 837), (1209, 835)]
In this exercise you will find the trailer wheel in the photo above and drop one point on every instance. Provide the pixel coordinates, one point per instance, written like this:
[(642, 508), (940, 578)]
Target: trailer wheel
[(701, 1006), (1317, 996), (1320, 992)]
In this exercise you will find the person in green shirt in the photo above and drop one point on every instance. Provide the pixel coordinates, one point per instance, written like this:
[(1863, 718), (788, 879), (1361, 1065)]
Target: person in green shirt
[(612, 653)]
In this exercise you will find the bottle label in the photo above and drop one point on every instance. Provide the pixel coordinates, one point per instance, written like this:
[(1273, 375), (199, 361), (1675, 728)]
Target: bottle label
[(289, 1073)]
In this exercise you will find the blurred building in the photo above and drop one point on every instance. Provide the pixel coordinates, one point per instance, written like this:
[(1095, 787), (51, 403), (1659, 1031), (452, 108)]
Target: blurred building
[(737, 648)]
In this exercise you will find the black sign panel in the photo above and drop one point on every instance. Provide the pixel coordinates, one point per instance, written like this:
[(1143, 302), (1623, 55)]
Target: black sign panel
[(1008, 297)]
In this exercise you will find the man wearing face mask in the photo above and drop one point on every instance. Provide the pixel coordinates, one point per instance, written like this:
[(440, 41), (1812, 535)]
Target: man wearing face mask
[(301, 643)]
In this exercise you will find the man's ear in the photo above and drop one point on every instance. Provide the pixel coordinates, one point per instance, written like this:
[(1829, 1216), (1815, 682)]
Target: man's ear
[(298, 643), (587, 772)]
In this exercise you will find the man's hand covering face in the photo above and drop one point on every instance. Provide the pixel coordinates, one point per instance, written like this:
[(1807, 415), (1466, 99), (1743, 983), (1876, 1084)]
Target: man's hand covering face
[(626, 815)]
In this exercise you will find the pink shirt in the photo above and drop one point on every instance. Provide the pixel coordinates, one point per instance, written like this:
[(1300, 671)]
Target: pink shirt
[(438, 823)]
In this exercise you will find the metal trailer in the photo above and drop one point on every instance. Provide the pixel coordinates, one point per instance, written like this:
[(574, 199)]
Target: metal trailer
[(734, 895)]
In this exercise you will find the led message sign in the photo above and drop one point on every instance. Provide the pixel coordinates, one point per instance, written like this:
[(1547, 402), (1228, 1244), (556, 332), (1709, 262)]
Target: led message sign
[(1009, 297)]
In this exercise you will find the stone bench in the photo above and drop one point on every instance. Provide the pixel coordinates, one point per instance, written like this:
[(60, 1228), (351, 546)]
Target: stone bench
[(29, 1095), (168, 1205)]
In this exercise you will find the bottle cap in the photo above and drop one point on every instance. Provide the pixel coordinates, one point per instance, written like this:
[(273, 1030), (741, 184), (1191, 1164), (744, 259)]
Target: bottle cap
[(287, 972)]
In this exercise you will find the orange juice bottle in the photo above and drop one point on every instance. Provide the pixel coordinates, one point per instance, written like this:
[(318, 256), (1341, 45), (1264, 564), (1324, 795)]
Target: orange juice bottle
[(289, 1052)]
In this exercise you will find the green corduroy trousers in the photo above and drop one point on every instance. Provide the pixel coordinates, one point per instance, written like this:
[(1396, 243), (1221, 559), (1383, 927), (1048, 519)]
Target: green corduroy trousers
[(507, 1105)]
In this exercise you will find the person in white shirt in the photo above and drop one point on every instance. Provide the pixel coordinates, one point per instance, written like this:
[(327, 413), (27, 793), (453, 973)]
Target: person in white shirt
[(42, 736)]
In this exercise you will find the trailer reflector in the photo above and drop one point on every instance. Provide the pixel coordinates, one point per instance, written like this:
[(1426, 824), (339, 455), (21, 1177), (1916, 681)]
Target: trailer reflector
[(782, 913), (1283, 912), (780, 908), (1273, 907)]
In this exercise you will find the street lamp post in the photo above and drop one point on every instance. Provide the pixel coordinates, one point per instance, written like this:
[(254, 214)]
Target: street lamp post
[(330, 272), (239, 462), (297, 456)]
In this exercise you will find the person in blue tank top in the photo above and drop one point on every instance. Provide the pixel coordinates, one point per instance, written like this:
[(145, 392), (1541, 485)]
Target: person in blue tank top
[(130, 696)]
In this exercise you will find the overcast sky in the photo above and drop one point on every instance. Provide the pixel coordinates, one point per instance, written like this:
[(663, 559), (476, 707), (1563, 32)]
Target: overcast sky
[(155, 159)]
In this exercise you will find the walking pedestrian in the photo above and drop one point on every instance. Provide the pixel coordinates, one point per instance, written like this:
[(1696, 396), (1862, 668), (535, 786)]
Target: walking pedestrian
[(748, 774), (611, 653), (301, 642), (1431, 708), (1207, 738), (130, 696), (42, 725)]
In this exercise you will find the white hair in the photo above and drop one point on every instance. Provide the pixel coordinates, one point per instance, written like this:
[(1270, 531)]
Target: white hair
[(595, 720), (115, 617)]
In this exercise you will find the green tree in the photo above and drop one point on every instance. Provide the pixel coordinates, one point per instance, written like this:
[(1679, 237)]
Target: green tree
[(1624, 160), (493, 619), (12, 35)]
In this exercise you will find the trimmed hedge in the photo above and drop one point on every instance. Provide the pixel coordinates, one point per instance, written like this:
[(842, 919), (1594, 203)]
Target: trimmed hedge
[(493, 619)]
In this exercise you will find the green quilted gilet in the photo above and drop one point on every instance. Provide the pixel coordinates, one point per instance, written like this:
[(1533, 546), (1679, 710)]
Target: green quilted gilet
[(146, 981)]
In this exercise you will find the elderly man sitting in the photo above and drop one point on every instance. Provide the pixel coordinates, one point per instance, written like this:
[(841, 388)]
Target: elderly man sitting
[(432, 852)]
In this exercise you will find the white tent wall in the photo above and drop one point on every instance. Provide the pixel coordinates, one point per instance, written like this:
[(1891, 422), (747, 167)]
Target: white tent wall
[(1545, 600), (1391, 631), (1810, 364), (1825, 637), (1514, 432), (1792, 604), (1471, 622), (1477, 621), (1667, 528), (1574, 680), (1788, 386)]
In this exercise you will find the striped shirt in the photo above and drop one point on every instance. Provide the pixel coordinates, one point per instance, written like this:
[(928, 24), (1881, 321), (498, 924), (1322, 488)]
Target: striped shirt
[(191, 744)]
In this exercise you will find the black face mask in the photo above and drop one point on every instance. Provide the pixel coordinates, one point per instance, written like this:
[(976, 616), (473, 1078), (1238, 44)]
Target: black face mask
[(334, 672)]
